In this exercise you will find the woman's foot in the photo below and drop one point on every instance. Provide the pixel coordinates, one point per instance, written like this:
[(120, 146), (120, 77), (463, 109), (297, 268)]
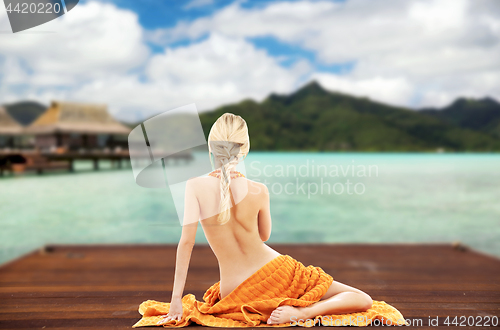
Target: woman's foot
[(284, 314)]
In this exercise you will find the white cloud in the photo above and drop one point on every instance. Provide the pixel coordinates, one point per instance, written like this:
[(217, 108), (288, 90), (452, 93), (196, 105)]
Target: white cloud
[(223, 68), (389, 90), (93, 40), (12, 71), (197, 3), (97, 54), (218, 70), (430, 45), (415, 52)]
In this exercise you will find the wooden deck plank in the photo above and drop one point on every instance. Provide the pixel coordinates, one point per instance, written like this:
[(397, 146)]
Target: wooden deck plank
[(101, 286), (54, 305)]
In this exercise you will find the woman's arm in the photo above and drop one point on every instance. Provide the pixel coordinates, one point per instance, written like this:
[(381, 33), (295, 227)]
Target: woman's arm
[(265, 224), (184, 249)]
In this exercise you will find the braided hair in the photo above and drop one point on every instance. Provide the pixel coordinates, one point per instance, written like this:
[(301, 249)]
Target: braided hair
[(229, 144)]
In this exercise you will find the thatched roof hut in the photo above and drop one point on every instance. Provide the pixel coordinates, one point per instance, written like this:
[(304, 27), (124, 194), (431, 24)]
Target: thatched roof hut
[(8, 125), (68, 117)]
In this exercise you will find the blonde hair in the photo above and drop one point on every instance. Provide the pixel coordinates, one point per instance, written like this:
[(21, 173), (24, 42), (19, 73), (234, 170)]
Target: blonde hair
[(229, 143)]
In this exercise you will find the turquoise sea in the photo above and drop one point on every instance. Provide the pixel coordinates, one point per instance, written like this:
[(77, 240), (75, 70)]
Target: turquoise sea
[(315, 197)]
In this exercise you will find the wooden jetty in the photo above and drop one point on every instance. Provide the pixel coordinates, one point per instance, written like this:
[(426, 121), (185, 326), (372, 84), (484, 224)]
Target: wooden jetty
[(40, 162), (63, 133), (101, 286)]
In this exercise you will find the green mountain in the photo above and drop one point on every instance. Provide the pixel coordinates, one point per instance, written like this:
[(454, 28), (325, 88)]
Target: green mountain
[(481, 115), (313, 119), (25, 112)]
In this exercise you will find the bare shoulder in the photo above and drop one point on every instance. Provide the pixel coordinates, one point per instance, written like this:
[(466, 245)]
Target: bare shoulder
[(194, 180), (257, 188), (197, 183)]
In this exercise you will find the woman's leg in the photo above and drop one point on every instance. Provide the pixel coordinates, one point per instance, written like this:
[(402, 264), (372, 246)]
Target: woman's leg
[(338, 299)]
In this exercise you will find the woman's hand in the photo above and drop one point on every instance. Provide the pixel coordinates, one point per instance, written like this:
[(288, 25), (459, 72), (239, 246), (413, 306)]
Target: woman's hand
[(175, 312)]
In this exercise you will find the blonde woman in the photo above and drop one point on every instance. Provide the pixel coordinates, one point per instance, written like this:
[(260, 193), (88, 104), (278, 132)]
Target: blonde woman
[(236, 220)]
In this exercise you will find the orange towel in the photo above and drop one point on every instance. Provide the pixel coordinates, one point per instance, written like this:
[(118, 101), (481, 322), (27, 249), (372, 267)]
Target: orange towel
[(282, 281)]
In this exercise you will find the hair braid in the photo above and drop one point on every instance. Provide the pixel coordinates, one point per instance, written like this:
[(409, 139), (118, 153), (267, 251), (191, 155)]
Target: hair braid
[(229, 143), (225, 198)]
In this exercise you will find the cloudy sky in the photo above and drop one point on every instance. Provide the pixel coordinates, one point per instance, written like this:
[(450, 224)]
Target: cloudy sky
[(142, 57)]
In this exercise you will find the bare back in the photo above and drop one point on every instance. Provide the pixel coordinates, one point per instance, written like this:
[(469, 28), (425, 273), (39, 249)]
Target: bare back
[(237, 244)]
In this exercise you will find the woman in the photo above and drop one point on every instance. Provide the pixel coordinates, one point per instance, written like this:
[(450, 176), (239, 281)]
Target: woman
[(236, 222)]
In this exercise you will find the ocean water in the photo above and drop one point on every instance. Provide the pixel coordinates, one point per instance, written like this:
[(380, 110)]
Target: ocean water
[(315, 197)]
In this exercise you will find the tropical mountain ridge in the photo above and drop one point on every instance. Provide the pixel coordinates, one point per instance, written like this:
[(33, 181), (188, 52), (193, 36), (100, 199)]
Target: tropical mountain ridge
[(314, 119)]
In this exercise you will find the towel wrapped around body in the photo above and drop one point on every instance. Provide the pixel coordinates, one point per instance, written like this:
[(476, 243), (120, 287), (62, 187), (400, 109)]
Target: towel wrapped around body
[(282, 281)]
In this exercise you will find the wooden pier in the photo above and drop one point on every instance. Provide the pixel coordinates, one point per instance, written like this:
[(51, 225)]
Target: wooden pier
[(41, 162), (101, 286)]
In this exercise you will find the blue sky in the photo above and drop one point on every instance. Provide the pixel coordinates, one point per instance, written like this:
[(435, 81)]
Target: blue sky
[(155, 14), (142, 57)]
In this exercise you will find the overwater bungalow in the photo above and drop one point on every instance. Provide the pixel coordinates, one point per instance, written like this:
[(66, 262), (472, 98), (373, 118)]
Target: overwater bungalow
[(67, 126), (11, 132)]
